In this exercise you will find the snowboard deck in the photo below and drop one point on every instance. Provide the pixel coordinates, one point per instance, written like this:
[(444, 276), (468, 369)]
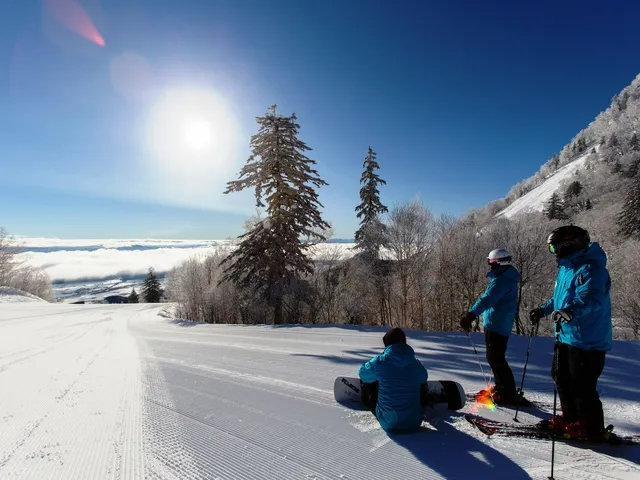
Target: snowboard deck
[(445, 394), (508, 429)]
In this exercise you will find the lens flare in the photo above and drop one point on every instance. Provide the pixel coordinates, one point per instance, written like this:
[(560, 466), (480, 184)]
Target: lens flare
[(71, 14), (483, 399)]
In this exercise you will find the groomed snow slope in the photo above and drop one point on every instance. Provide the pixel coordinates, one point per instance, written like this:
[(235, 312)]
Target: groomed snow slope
[(118, 392), (535, 200), (13, 295)]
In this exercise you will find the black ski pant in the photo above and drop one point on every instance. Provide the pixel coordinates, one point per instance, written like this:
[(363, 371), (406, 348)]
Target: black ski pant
[(370, 395), (496, 350), (575, 372)]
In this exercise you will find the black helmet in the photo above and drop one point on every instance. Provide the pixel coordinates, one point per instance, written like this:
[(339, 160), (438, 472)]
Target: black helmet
[(568, 239)]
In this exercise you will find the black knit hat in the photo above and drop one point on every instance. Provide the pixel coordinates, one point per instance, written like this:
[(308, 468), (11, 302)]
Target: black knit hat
[(393, 336)]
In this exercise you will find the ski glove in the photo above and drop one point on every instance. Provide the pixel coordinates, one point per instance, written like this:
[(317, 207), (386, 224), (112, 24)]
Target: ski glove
[(562, 316), (535, 315), (466, 319)]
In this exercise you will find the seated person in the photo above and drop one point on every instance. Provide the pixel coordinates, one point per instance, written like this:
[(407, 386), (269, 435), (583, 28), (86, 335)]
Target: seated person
[(393, 385)]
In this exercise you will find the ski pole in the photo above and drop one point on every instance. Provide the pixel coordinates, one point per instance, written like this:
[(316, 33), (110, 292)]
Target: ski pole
[(553, 432), (555, 405), (524, 372), (479, 362)]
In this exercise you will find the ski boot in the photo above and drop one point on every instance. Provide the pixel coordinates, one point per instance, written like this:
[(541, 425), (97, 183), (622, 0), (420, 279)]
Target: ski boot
[(557, 423)]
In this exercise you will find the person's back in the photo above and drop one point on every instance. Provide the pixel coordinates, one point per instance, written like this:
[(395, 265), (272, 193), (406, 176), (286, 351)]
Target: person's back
[(498, 305), (400, 376), (590, 303), (499, 302)]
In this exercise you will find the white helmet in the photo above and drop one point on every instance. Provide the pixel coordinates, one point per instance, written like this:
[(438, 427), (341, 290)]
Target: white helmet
[(499, 256)]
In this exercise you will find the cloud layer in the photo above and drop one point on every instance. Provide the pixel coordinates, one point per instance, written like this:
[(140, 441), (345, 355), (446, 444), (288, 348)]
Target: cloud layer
[(93, 260)]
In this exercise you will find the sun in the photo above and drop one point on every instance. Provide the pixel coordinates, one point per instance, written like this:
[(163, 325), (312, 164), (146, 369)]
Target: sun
[(192, 128), (197, 135)]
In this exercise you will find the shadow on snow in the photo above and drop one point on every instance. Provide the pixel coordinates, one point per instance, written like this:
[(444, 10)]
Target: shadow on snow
[(455, 454), (443, 352)]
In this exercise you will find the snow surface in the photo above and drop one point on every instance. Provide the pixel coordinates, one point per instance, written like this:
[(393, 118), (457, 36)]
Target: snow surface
[(13, 295), (535, 200), (119, 392)]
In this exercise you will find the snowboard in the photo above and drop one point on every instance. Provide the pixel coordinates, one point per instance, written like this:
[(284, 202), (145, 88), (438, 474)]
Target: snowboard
[(507, 429), (445, 394)]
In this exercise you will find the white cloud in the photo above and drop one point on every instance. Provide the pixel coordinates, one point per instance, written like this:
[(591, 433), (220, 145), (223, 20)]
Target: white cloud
[(105, 259), (68, 266)]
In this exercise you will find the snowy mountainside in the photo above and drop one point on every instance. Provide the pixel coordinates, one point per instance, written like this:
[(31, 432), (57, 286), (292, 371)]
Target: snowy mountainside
[(535, 200), (118, 392), (13, 295), (613, 134)]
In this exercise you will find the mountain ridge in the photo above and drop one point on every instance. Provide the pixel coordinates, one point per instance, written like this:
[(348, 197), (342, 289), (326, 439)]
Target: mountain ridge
[(607, 155)]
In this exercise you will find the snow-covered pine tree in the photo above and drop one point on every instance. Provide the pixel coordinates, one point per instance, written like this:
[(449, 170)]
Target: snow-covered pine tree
[(633, 169), (582, 145), (629, 218), (573, 190), (634, 143), (272, 254), (133, 296), (554, 209), (555, 161), (617, 167), (613, 141), (370, 236), (151, 291)]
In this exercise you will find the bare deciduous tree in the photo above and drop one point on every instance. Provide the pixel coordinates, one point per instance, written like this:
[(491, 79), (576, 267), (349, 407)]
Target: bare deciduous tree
[(624, 266), (410, 241), (194, 287), (15, 273), (8, 257)]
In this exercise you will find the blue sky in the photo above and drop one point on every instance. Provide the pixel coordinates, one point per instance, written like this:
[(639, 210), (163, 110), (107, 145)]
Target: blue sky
[(460, 99)]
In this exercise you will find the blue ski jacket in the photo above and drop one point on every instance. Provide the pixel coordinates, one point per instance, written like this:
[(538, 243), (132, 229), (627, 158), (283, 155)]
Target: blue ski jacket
[(583, 286), (499, 301), (399, 375)]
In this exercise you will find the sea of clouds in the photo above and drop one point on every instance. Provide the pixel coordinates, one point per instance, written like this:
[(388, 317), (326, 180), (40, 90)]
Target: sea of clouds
[(77, 260)]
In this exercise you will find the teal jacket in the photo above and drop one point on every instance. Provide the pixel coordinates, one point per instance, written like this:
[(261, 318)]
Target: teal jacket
[(583, 286), (399, 375), (499, 301)]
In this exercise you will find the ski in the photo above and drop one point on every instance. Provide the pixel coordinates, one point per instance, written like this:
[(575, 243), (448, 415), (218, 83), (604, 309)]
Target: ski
[(493, 427), (525, 402)]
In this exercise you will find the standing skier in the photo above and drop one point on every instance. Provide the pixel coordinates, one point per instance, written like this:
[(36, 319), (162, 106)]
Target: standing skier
[(392, 383), (499, 303), (581, 312)]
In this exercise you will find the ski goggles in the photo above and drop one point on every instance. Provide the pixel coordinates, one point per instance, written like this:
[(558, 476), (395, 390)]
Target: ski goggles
[(553, 248), (496, 261)]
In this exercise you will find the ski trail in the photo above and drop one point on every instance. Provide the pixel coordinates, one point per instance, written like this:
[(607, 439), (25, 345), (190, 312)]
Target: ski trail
[(312, 394), (166, 456), (118, 393), (81, 418)]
